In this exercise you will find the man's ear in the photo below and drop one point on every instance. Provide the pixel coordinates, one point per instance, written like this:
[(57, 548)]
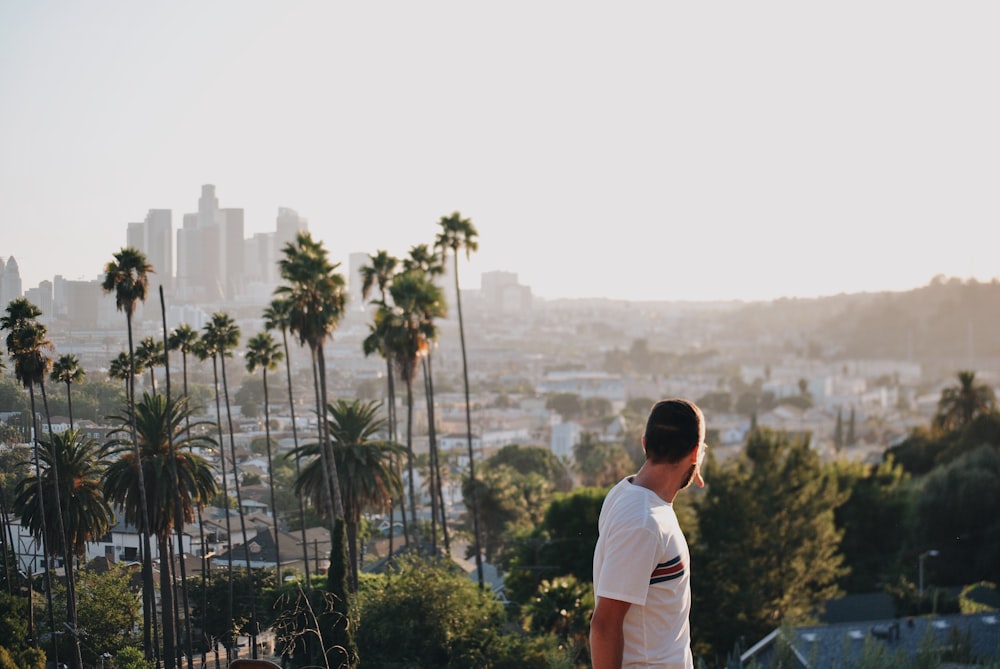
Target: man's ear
[(643, 444)]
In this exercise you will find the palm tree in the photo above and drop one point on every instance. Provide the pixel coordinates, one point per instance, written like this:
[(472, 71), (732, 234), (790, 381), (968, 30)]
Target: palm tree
[(80, 460), (364, 462), (457, 234), (316, 299), (120, 369), (263, 354), (66, 369), (150, 354), (960, 404), (276, 318), (379, 275), (408, 332), (424, 261), (25, 339), (127, 276), (166, 444), (222, 335), (184, 339)]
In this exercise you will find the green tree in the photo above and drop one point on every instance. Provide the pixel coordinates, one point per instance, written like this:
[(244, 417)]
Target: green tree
[(766, 549), (960, 404), (458, 234), (263, 354), (957, 515), (533, 459), (601, 463), (110, 606), (164, 440), (426, 613), (127, 276), (875, 521), (66, 369), (562, 544)]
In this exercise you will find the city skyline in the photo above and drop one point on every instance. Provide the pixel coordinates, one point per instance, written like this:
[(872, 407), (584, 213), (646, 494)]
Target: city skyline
[(651, 152)]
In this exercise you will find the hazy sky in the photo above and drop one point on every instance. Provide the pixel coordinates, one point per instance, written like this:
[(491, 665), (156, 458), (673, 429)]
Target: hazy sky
[(635, 150)]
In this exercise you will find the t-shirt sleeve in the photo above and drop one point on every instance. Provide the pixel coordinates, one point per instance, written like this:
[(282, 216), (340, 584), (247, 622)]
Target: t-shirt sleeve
[(629, 559)]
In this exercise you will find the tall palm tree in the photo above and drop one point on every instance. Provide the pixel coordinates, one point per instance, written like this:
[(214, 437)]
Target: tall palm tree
[(960, 404), (408, 332), (150, 355), (66, 369), (169, 470), (378, 274), (276, 318), (264, 354), (222, 335), (316, 298), (423, 260), (364, 462), (127, 276), (184, 339), (25, 339), (459, 234)]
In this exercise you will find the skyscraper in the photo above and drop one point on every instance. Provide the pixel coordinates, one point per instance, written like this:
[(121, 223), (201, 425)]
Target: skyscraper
[(154, 238), (10, 282)]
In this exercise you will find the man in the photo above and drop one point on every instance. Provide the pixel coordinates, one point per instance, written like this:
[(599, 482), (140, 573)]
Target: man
[(641, 562)]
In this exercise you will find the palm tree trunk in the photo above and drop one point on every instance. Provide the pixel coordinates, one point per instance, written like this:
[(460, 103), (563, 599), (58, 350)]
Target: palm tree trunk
[(338, 502), (432, 471), (68, 561), (468, 425), (45, 544), (166, 602), (225, 498), (270, 481), (239, 506), (8, 545), (298, 465), (320, 436), (69, 404), (150, 633), (201, 532), (409, 455), (437, 456), (178, 510), (391, 414)]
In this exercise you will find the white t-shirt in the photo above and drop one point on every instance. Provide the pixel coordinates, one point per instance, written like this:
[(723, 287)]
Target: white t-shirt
[(642, 558)]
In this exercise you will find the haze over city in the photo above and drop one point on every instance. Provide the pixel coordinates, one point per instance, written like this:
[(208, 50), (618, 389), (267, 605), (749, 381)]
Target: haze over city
[(648, 151)]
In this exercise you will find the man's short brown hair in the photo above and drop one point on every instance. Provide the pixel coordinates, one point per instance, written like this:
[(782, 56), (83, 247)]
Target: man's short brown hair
[(675, 427)]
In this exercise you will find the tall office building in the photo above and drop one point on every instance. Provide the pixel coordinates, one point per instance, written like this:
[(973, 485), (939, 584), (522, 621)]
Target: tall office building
[(160, 245), (10, 282), (355, 282), (154, 238), (210, 251)]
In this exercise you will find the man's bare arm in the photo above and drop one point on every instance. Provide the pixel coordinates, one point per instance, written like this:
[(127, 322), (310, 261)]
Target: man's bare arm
[(606, 636)]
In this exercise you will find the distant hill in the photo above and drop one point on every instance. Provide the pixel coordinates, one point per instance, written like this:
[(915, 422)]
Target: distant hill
[(947, 323)]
